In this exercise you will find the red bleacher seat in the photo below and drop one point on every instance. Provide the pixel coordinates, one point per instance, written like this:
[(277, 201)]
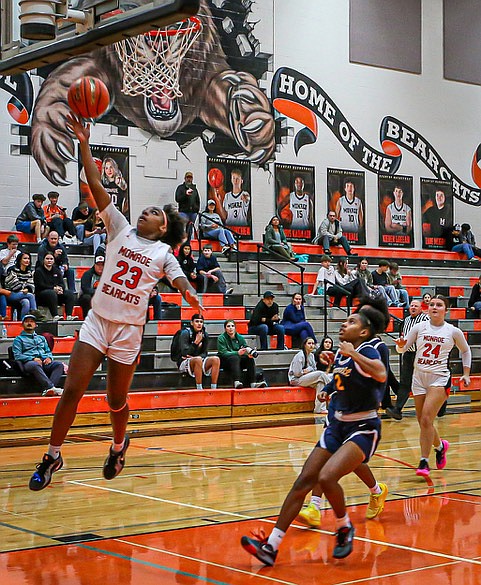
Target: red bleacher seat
[(20, 235)]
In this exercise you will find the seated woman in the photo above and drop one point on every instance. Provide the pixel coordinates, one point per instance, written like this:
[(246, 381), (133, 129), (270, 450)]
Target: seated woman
[(303, 371), (188, 264), (50, 289), (19, 281), (213, 228), (294, 319), (235, 356), (474, 302), (276, 240), (362, 271), (95, 232), (327, 344)]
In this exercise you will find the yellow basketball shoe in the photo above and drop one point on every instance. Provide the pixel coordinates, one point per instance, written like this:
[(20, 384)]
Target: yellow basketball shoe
[(376, 502), (310, 515)]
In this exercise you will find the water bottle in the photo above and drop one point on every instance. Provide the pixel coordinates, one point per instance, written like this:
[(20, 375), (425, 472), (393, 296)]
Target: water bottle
[(4, 332)]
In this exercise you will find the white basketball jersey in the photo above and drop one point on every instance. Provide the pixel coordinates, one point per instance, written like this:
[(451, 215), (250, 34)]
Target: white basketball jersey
[(299, 207), (349, 214), (237, 208), (133, 266), (433, 346), (399, 216)]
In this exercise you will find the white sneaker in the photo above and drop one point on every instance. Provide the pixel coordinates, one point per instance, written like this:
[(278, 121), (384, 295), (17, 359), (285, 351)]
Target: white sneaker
[(262, 384), (229, 291), (238, 385), (72, 318), (57, 318), (53, 391)]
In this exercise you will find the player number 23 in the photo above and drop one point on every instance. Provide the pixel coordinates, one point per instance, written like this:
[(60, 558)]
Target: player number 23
[(127, 275)]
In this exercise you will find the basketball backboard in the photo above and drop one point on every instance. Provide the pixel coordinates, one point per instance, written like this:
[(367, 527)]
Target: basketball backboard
[(105, 22)]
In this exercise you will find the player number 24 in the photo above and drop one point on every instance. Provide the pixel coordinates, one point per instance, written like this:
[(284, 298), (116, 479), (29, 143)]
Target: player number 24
[(431, 350), (133, 275)]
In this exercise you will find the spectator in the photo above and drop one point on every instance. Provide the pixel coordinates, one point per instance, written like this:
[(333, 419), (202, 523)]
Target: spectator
[(380, 283), (19, 281), (303, 370), (194, 361), (56, 217), (327, 344), (342, 274), (155, 301), (461, 239), (50, 288), (188, 200), (276, 240), (9, 254), (426, 299), (326, 280), (94, 231), (362, 272), (294, 319), (468, 238), (34, 357), (265, 320), (80, 216), (32, 218), (394, 277), (236, 356), (53, 246), (474, 302), (187, 263), (213, 228), (330, 234), (89, 283), (208, 266)]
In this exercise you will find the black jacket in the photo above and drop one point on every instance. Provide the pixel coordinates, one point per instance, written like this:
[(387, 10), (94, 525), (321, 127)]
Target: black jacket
[(187, 346), (187, 203), (262, 310)]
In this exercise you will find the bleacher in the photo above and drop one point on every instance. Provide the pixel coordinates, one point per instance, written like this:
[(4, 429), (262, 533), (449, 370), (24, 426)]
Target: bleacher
[(160, 392)]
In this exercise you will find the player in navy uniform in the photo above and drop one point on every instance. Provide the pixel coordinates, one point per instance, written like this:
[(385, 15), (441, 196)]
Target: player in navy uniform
[(350, 439)]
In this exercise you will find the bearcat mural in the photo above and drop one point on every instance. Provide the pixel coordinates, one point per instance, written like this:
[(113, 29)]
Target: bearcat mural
[(218, 81)]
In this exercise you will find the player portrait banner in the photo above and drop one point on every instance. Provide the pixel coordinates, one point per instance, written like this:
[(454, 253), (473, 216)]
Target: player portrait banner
[(437, 212), (395, 211), (346, 196), (229, 185), (295, 195), (113, 165)]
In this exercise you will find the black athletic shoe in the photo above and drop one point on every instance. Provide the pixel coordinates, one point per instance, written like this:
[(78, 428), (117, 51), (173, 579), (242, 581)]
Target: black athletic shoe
[(394, 413), (344, 538), (43, 476), (260, 549), (115, 461)]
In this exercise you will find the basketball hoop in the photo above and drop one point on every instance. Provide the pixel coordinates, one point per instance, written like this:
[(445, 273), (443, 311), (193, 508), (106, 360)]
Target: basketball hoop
[(151, 62)]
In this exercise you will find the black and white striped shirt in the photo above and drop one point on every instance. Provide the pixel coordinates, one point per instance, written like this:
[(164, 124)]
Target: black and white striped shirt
[(409, 323)]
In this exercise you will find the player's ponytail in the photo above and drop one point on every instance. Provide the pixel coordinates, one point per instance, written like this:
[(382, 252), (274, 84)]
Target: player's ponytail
[(175, 234)]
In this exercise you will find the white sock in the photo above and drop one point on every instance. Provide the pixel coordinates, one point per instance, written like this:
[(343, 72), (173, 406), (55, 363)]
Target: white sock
[(213, 386), (199, 387), (317, 501), (54, 451), (439, 447), (117, 447), (275, 538), (425, 459), (341, 522), (376, 489)]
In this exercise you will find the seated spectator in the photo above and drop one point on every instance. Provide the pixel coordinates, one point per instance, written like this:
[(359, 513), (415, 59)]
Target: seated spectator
[(89, 283), (187, 263), (265, 321), (381, 285), (426, 299), (19, 281), (53, 246), (362, 272), (276, 240), (294, 319), (474, 302), (34, 358), (95, 233), (213, 228), (330, 234), (326, 281), (461, 239), (155, 301), (9, 254), (193, 359), (80, 216), (50, 288), (236, 356), (394, 278), (303, 370), (327, 344), (208, 266), (343, 274), (56, 217), (32, 218)]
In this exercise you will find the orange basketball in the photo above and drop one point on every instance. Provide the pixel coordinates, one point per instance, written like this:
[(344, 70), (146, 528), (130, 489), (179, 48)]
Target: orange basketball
[(215, 178), (88, 97)]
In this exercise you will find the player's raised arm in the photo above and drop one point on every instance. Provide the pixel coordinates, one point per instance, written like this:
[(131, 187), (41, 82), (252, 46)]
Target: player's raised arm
[(186, 290), (102, 198)]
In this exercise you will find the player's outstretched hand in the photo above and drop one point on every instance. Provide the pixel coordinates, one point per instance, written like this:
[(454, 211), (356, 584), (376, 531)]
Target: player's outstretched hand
[(193, 301), (76, 125), (400, 342)]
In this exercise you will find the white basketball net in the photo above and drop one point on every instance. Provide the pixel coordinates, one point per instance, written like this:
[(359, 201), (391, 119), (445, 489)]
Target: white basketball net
[(151, 62)]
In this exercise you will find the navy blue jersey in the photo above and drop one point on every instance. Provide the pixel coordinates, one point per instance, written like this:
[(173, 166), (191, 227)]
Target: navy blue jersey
[(383, 350), (356, 390)]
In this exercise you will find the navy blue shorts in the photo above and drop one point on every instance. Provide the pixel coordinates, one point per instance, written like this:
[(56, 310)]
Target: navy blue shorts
[(365, 433)]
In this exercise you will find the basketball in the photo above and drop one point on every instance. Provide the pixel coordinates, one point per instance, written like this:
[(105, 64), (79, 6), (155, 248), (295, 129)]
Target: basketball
[(88, 97), (215, 178)]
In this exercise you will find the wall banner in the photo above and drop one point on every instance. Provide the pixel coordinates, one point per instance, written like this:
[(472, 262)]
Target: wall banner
[(294, 204), (437, 212), (346, 196), (395, 211)]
